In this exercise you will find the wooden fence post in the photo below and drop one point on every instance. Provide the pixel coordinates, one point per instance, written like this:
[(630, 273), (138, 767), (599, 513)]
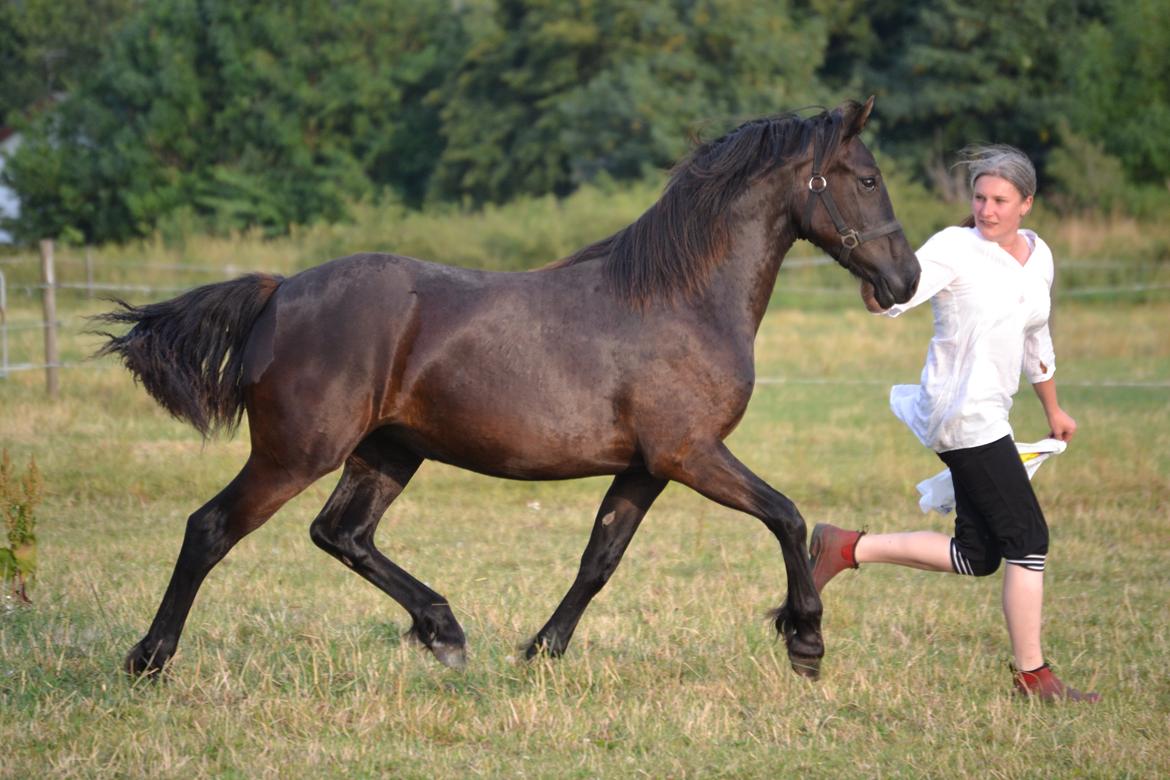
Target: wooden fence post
[(3, 326), (49, 281), (88, 271)]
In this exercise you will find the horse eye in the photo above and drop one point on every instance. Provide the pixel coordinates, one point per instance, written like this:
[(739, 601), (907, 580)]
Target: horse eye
[(869, 183)]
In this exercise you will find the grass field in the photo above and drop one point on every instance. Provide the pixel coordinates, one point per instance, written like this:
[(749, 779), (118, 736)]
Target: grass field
[(290, 666)]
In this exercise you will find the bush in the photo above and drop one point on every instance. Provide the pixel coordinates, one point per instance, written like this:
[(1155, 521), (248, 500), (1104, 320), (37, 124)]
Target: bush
[(1086, 177), (18, 500), (1089, 180)]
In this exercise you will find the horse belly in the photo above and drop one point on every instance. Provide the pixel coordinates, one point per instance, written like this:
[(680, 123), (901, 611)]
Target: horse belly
[(517, 427)]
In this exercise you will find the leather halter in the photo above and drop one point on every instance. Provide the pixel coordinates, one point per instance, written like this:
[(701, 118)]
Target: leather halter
[(818, 189)]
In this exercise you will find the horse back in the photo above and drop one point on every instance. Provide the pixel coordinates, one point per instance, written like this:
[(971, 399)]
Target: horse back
[(516, 374)]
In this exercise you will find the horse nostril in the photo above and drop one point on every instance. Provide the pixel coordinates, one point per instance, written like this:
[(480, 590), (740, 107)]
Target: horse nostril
[(911, 283)]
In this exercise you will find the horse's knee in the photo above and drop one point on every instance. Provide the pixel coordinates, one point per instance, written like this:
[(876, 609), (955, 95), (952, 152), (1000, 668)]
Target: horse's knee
[(786, 508), (595, 575), (785, 521)]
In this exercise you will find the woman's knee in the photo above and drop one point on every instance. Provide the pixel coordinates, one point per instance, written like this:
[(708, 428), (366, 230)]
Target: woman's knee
[(973, 563)]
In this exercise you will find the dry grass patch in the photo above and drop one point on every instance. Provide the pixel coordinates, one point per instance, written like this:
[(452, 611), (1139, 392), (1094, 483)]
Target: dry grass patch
[(292, 667)]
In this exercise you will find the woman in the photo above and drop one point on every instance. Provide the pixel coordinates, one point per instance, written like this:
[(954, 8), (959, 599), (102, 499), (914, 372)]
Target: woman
[(988, 282)]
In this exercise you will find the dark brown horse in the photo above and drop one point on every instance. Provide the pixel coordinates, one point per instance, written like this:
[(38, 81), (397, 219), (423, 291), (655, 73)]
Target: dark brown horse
[(633, 357)]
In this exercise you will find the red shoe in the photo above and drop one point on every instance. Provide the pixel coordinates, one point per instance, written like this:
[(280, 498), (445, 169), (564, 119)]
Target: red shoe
[(830, 551), (1045, 686)]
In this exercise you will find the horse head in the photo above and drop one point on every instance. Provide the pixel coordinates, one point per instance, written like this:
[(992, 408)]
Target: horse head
[(846, 210)]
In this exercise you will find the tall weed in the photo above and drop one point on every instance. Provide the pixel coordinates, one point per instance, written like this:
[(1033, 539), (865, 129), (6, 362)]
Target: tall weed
[(19, 498)]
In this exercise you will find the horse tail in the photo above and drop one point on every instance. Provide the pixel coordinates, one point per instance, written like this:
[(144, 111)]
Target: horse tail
[(188, 352)]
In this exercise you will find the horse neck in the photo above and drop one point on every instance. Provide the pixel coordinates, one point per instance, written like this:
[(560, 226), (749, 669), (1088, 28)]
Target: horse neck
[(761, 231)]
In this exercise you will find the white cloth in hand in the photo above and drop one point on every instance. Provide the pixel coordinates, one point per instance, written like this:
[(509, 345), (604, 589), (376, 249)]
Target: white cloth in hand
[(938, 492)]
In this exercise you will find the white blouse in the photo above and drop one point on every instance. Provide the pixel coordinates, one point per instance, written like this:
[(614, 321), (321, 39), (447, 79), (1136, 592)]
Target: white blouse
[(990, 325)]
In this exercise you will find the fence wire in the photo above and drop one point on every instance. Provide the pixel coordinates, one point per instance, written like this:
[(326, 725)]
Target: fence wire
[(91, 287)]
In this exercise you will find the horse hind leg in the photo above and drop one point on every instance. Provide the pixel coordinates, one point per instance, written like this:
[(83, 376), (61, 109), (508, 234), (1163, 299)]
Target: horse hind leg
[(374, 475), (618, 518), (256, 493)]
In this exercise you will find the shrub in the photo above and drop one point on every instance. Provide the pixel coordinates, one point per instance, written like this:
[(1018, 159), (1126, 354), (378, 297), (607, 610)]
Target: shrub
[(18, 501), (1087, 177)]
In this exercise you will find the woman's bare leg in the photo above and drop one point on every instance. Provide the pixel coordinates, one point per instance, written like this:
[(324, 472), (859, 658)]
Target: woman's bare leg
[(1023, 601), (928, 550)]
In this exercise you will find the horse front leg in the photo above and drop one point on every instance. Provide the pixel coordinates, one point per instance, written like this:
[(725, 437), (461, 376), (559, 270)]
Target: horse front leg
[(717, 474), (244, 505), (625, 504)]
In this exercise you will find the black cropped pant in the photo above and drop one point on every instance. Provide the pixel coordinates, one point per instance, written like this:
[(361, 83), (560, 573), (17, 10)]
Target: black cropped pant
[(997, 514)]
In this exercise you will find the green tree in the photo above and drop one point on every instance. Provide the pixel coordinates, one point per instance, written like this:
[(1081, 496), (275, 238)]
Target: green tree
[(972, 73), (241, 114), (949, 72), (860, 36), (1118, 86), (46, 46), (553, 94)]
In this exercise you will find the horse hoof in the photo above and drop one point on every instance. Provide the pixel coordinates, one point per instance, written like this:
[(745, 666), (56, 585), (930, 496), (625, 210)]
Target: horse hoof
[(805, 666), (140, 664), (451, 656), (543, 648)]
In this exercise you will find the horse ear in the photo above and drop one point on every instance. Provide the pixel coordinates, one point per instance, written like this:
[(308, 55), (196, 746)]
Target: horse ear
[(855, 116)]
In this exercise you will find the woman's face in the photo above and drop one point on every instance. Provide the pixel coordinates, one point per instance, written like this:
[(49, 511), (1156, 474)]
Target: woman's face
[(998, 207)]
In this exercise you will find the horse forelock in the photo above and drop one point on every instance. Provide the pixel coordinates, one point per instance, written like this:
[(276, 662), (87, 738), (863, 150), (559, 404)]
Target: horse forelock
[(672, 248)]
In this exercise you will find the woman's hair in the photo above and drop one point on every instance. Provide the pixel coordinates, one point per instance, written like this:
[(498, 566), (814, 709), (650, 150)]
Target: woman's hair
[(1006, 162)]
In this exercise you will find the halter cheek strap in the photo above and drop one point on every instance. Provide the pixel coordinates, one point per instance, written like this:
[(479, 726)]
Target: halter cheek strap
[(818, 189)]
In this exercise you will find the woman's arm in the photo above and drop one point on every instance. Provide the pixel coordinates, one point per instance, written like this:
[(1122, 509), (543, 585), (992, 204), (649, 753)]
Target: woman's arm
[(1061, 425), (936, 261)]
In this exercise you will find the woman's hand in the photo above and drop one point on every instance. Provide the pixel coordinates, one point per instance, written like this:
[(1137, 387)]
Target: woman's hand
[(870, 300), (1062, 425)]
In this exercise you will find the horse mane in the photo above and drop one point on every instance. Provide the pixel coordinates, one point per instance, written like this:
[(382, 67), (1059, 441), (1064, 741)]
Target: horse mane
[(673, 247)]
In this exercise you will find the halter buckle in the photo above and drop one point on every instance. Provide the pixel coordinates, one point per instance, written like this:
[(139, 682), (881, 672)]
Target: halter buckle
[(817, 184), (851, 240)]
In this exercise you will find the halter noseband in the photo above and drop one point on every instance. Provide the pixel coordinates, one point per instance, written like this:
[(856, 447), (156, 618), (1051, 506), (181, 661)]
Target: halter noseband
[(818, 185)]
